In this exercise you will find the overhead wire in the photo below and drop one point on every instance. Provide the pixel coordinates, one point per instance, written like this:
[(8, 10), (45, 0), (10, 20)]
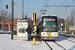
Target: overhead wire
[(43, 8), (63, 8), (58, 7), (46, 3), (72, 1)]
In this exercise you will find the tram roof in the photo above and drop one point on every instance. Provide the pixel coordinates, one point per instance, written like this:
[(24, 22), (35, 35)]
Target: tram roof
[(48, 15)]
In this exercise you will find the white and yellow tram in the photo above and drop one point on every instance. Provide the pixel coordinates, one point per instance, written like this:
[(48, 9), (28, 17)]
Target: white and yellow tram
[(48, 27)]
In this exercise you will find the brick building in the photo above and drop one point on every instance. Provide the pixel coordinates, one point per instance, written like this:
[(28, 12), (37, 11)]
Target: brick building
[(6, 23)]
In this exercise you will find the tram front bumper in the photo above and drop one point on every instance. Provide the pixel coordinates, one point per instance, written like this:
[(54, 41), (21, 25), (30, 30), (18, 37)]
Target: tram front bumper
[(49, 38)]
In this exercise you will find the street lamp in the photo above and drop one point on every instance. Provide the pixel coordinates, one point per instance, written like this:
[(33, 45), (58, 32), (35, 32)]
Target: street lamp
[(17, 12), (9, 13)]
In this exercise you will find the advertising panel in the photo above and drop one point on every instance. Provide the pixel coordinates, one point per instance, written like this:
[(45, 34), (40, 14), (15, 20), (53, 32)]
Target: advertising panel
[(21, 30)]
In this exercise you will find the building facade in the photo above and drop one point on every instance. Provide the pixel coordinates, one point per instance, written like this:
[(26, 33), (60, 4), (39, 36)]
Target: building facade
[(7, 24)]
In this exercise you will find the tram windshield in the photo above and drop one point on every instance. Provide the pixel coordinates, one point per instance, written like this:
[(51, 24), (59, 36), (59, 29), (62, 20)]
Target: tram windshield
[(49, 25)]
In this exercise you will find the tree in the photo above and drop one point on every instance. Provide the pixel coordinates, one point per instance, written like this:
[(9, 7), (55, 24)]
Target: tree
[(68, 23), (72, 17), (3, 15)]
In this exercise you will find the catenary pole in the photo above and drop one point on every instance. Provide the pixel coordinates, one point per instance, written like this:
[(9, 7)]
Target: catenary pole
[(12, 18), (65, 13)]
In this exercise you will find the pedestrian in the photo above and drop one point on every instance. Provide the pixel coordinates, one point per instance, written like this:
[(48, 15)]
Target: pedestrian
[(38, 29), (29, 30)]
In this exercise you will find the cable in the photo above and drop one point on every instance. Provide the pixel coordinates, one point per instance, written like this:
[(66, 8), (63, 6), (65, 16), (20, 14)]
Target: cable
[(57, 8), (72, 1), (63, 8), (43, 9), (46, 3), (60, 10)]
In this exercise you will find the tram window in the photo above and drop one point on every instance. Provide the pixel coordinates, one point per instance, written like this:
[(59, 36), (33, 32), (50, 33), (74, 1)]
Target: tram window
[(22, 30), (49, 26)]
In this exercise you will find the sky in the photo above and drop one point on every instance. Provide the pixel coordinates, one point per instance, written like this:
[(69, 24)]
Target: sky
[(31, 6)]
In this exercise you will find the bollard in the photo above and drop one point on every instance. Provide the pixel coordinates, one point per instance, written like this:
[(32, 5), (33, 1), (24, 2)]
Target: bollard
[(34, 20), (33, 41)]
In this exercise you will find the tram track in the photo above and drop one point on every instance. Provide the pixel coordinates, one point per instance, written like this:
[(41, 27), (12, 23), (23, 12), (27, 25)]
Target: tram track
[(49, 45), (55, 43), (59, 45), (67, 39)]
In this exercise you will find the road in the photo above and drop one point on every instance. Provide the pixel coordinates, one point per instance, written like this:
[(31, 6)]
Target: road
[(63, 43)]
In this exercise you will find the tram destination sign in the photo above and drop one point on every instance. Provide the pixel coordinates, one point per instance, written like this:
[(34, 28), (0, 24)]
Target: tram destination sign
[(48, 19)]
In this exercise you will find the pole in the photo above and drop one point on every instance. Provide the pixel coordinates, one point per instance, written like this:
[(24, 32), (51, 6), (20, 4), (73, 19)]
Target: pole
[(17, 12), (65, 13), (4, 23), (22, 9), (69, 23), (9, 18), (73, 20), (12, 18), (34, 16), (61, 28)]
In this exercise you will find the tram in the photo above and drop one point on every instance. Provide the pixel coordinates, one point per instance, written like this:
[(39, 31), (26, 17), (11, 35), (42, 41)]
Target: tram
[(47, 27)]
